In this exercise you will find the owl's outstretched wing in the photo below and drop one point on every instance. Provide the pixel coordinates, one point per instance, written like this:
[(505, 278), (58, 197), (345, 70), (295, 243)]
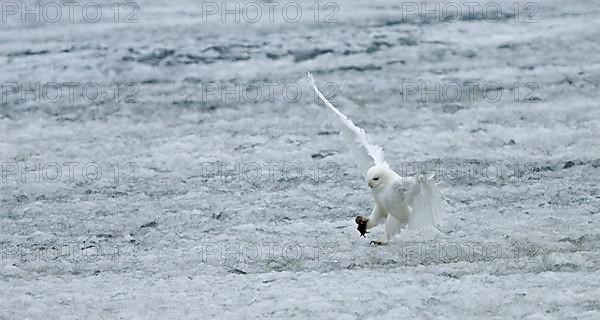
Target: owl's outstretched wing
[(426, 204), (365, 153)]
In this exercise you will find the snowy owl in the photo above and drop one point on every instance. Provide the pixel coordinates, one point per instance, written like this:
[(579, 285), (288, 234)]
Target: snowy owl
[(412, 202)]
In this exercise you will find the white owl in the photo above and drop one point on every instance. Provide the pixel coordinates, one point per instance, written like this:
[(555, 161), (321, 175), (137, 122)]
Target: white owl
[(411, 202)]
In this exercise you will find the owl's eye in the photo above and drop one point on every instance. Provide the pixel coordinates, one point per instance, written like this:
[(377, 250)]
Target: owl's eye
[(376, 178)]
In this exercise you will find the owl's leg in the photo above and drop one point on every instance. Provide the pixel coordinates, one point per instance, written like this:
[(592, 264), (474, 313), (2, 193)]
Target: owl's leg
[(392, 227), (367, 223), (376, 216)]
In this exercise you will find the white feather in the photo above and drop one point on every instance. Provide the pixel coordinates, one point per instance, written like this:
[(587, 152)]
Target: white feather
[(366, 154), (426, 205)]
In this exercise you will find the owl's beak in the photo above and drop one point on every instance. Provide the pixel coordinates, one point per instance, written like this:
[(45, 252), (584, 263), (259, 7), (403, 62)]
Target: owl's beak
[(370, 185)]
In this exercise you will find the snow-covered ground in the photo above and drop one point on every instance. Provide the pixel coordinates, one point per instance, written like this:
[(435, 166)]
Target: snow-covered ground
[(184, 191)]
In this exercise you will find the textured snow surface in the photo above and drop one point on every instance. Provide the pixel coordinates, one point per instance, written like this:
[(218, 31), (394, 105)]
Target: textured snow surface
[(163, 233)]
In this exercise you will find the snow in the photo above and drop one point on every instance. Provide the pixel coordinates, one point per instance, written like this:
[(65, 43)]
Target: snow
[(228, 208)]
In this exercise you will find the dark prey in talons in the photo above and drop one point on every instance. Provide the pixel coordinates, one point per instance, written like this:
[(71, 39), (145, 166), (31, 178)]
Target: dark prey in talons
[(362, 225)]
